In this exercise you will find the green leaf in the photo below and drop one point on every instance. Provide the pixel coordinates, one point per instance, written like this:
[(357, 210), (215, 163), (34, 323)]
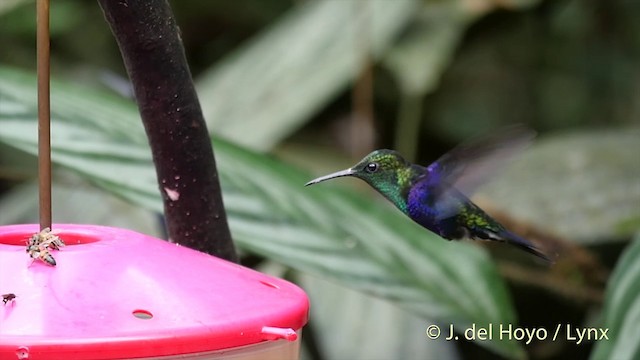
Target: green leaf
[(267, 89), (622, 309), (417, 61), (589, 181), (7, 5), (327, 231), (18, 18), (343, 320), (419, 58), (90, 206)]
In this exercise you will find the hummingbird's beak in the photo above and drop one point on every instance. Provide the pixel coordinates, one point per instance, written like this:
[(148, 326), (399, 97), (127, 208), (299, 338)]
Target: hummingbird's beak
[(347, 172)]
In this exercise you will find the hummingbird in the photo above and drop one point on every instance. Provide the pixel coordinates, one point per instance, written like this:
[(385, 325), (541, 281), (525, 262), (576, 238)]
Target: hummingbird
[(437, 196)]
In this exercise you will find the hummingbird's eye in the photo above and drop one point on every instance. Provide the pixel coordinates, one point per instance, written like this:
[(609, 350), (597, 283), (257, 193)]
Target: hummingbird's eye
[(372, 167)]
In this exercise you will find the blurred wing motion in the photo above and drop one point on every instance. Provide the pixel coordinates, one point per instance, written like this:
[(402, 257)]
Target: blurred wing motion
[(454, 177), (470, 164)]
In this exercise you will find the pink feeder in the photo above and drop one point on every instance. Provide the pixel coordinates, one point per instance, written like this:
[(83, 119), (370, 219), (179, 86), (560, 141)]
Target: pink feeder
[(119, 294)]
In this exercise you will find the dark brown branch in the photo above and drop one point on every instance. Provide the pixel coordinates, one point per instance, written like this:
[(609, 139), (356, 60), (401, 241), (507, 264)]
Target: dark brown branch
[(583, 295), (153, 54)]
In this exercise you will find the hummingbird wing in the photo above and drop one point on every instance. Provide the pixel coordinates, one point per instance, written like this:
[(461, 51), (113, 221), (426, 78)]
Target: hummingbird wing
[(454, 177), (430, 200), (470, 164)]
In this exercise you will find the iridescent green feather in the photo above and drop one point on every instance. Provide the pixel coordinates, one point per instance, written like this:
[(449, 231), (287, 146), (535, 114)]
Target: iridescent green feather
[(394, 184), (473, 218)]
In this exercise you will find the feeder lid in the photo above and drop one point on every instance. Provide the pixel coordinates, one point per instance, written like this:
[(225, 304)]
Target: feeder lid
[(116, 293)]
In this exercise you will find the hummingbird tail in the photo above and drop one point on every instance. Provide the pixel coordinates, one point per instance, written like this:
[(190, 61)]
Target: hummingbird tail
[(524, 244)]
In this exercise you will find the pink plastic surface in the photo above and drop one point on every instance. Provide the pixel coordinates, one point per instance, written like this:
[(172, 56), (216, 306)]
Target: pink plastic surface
[(116, 293)]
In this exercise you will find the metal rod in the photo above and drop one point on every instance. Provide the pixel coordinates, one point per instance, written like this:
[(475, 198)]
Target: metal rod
[(44, 112)]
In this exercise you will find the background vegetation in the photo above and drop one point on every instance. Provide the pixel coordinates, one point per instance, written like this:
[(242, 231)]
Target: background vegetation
[(295, 88)]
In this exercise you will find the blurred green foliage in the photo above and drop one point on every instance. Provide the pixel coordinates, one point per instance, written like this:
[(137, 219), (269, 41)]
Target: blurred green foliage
[(278, 76)]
